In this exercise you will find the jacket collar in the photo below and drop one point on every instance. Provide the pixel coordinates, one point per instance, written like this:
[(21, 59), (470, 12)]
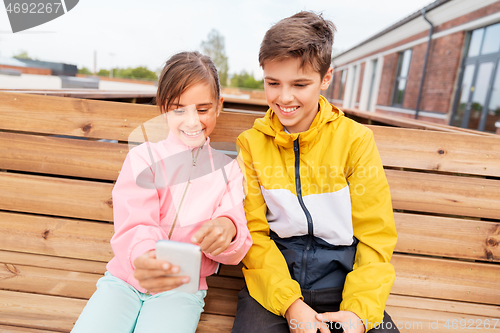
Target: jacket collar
[(271, 125)]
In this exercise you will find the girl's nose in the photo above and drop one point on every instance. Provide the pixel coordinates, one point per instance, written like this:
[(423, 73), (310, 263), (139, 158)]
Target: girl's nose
[(192, 118)]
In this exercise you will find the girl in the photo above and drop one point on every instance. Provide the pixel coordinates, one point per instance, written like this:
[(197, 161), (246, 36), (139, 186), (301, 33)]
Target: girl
[(178, 189)]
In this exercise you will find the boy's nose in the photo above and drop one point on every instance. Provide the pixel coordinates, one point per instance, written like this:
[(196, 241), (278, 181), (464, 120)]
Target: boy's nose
[(286, 96)]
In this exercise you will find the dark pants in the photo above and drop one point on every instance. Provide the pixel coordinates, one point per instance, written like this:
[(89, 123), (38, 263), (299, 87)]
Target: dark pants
[(252, 317)]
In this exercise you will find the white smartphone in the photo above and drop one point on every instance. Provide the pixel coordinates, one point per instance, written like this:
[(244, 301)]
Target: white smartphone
[(185, 255)]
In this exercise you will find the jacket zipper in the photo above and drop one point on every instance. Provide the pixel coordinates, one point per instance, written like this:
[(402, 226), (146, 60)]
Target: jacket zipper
[(310, 229), (185, 191)]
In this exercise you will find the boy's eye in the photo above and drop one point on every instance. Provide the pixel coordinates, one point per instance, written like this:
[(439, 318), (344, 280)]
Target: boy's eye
[(203, 110), (272, 83), (178, 111), (301, 85)]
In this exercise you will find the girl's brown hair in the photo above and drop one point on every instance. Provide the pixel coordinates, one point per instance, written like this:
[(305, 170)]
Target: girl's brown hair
[(306, 36), (182, 71)]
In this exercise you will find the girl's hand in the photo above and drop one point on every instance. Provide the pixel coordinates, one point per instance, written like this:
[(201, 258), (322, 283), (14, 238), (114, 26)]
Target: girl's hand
[(351, 323), (150, 272), (215, 235)]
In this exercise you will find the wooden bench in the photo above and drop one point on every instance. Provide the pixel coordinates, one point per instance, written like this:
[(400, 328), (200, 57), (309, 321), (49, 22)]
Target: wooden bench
[(56, 214)]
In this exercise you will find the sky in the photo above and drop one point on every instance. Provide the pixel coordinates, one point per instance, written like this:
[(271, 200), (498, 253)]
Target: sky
[(126, 33)]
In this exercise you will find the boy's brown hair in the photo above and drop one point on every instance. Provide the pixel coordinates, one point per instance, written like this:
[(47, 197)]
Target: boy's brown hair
[(305, 35), (182, 71)]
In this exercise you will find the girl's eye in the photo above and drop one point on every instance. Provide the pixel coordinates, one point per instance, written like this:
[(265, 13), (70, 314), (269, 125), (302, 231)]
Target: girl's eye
[(272, 83), (203, 110), (178, 111)]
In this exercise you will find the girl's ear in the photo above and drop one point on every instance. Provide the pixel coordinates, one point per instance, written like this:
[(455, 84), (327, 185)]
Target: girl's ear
[(219, 106)]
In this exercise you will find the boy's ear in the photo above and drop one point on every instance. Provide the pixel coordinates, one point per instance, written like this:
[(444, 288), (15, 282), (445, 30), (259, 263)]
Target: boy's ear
[(327, 79)]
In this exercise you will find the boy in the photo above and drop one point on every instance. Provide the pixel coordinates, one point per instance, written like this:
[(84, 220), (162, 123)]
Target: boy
[(318, 204)]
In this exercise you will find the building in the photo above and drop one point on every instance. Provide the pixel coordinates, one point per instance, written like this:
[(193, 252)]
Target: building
[(440, 64)]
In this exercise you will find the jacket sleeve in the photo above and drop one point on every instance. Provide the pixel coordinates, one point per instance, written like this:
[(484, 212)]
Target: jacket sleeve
[(231, 206), (136, 210), (265, 270), (368, 286)]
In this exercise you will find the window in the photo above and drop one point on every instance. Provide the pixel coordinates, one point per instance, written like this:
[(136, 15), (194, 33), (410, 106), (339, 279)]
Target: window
[(401, 77), (477, 104), (342, 83)]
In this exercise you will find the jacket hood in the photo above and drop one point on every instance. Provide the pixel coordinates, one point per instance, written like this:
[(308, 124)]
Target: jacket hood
[(270, 124)]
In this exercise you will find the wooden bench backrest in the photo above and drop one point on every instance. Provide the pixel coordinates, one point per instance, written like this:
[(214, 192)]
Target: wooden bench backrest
[(55, 205)]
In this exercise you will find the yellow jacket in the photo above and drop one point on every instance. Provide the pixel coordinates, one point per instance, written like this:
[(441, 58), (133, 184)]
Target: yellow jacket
[(340, 199)]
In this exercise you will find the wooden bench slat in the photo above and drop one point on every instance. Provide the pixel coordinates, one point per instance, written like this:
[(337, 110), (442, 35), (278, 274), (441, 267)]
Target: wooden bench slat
[(56, 236), (417, 276), (474, 197), (39, 311), (44, 261), (71, 116), (448, 237), (15, 329), (56, 196), (61, 156), (446, 279), (45, 312), (443, 194), (438, 151), (94, 119), (59, 313)]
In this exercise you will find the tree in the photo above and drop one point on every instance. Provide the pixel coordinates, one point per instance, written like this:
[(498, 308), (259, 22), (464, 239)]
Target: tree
[(140, 73), (23, 55), (214, 47), (246, 80), (84, 70)]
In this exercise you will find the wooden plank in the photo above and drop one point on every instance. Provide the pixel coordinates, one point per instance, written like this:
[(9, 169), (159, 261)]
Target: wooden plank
[(428, 315), (438, 151), (15, 329), (61, 156), (448, 237), (43, 261), (96, 119), (214, 323), (39, 311), (411, 123), (72, 116), (56, 236), (230, 125), (52, 313), (221, 301), (446, 279), (48, 281), (56, 196), (443, 194), (59, 313)]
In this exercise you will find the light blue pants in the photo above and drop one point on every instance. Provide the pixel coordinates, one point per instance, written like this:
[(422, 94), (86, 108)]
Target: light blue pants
[(117, 307)]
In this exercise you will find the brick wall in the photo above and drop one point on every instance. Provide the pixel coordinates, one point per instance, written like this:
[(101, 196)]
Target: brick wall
[(360, 84), (441, 73)]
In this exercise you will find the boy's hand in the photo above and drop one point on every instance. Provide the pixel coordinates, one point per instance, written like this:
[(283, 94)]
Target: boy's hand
[(302, 319), (215, 235), (351, 323), (150, 272)]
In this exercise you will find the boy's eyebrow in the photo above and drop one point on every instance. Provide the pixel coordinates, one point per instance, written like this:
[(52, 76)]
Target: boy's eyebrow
[(297, 80)]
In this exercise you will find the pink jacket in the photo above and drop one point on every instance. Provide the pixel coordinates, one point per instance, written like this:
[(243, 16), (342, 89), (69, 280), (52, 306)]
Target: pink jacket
[(154, 179)]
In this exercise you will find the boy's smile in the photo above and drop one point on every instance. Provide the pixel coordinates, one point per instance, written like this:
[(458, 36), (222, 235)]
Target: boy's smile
[(293, 92)]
